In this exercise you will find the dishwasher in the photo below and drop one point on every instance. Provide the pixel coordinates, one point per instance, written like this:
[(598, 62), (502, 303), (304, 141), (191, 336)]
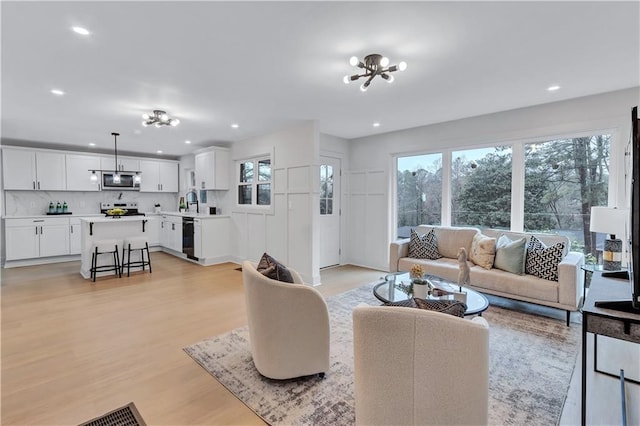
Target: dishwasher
[(187, 238)]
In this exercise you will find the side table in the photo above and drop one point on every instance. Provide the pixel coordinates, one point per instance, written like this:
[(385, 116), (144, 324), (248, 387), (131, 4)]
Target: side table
[(590, 267)]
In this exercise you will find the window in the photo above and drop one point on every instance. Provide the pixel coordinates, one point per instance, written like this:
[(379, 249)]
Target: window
[(419, 192), (326, 189), (254, 190), (481, 187), (563, 180)]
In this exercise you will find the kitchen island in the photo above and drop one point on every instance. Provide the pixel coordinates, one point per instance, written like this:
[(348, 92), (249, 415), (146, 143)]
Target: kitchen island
[(108, 228)]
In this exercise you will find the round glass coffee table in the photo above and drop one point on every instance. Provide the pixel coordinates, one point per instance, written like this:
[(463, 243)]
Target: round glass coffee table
[(393, 289)]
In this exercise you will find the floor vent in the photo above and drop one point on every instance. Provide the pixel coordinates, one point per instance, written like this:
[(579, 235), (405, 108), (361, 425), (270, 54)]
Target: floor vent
[(125, 416)]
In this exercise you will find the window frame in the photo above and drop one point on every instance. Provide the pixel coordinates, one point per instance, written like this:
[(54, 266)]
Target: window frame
[(254, 184), (517, 173)]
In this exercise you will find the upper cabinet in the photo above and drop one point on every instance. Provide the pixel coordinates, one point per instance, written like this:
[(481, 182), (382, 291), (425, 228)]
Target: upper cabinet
[(124, 164), (79, 172), (33, 170), (212, 169), (158, 176)]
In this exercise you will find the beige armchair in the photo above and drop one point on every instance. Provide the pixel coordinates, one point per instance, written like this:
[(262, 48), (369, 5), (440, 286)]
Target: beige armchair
[(419, 367), (288, 325)]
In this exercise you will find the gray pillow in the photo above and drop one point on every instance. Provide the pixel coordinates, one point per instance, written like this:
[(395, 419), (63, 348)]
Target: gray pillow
[(271, 268), (510, 255)]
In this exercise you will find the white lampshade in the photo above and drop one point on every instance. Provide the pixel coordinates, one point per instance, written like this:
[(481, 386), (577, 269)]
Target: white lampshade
[(609, 220)]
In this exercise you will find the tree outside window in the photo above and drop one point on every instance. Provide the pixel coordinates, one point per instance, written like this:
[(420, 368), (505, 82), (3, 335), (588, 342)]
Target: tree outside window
[(481, 188), (419, 192), (563, 180)]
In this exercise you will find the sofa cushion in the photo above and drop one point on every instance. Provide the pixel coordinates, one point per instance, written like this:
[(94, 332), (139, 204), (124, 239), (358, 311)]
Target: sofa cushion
[(483, 250), (542, 261), (423, 246), (526, 286), (510, 255), (271, 268)]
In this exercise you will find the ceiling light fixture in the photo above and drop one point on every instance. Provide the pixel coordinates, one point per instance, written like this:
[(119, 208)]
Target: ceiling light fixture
[(57, 92), (187, 142), (159, 118), (376, 124), (373, 65), (80, 30), (235, 125), (553, 88)]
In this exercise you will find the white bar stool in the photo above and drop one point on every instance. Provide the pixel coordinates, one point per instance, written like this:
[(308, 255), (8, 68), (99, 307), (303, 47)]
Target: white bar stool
[(136, 243), (105, 247)]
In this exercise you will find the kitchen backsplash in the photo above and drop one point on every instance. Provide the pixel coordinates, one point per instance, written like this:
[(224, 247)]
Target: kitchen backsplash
[(25, 203)]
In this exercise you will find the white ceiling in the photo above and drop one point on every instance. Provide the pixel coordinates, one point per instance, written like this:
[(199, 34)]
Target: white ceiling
[(266, 65)]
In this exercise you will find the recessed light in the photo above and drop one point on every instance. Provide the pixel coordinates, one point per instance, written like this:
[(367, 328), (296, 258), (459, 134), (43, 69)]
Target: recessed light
[(187, 142), (92, 144), (553, 88), (80, 30), (57, 92), (376, 124), (235, 125), (159, 151)]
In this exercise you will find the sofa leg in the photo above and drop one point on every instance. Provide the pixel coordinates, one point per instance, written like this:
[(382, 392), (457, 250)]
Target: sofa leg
[(568, 318), (321, 375)]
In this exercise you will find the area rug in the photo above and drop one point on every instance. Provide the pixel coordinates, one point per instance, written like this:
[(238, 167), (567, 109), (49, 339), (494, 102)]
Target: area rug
[(531, 362)]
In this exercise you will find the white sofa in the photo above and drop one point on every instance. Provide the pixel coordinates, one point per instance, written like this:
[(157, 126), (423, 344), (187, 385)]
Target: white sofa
[(419, 367), (562, 294), (288, 325)]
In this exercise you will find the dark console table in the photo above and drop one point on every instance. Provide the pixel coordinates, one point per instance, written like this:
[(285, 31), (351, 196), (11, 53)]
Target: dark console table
[(606, 322)]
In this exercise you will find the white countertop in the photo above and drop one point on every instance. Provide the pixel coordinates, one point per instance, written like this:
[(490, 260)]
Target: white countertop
[(49, 216), (103, 219), (194, 215)]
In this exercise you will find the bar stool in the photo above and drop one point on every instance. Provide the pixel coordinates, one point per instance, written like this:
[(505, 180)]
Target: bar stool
[(105, 247), (136, 243)]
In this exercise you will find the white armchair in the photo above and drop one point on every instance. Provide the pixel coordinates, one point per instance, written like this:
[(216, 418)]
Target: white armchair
[(288, 325), (419, 367)]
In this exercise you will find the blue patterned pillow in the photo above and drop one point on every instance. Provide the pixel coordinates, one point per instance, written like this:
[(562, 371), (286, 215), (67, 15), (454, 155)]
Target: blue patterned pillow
[(424, 246), (542, 261)]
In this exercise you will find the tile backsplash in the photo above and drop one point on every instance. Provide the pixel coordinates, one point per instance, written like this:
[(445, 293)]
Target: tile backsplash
[(25, 203)]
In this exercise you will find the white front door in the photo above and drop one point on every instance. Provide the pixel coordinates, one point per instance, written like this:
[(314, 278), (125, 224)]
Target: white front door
[(329, 211)]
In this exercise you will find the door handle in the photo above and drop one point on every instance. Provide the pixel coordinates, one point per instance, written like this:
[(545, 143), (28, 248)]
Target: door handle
[(41, 232), (72, 229), (34, 184), (36, 230), (38, 184)]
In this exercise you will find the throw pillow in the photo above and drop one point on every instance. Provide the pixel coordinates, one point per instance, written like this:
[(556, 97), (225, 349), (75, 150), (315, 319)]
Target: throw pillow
[(271, 268), (542, 261), (483, 250), (451, 307), (424, 246), (510, 255)]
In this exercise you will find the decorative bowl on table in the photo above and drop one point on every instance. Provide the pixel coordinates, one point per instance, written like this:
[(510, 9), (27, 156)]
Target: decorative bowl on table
[(116, 212)]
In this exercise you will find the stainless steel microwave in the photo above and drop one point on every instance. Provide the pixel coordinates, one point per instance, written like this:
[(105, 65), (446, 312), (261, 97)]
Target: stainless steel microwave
[(127, 181)]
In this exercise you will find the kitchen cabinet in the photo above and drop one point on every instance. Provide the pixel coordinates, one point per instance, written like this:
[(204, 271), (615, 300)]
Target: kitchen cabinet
[(124, 164), (25, 169), (31, 238), (78, 172), (171, 232), (211, 237), (158, 176), (212, 169), (153, 228), (75, 240)]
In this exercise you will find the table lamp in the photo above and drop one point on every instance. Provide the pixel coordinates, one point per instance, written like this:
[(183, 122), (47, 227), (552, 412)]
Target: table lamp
[(611, 221)]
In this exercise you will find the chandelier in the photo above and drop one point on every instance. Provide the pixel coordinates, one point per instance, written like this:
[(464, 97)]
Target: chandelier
[(373, 65), (159, 118)]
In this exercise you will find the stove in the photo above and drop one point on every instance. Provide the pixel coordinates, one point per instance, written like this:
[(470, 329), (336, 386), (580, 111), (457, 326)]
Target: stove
[(131, 208)]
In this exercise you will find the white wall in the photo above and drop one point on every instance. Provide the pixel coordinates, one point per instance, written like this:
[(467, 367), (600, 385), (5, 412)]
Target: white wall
[(288, 231), (372, 158)]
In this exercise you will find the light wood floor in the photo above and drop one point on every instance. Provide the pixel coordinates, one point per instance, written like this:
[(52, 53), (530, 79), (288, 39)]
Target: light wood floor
[(73, 350)]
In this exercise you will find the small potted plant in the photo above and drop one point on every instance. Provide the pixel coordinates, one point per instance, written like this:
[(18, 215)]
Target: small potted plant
[(156, 207), (420, 285)]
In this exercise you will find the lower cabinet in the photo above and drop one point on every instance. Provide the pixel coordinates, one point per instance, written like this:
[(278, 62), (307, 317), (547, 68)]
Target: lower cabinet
[(171, 232), (31, 238), (211, 238), (153, 230), (75, 240)]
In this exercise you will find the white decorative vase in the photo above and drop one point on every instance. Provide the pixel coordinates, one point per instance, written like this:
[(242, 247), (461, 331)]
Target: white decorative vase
[(420, 290)]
